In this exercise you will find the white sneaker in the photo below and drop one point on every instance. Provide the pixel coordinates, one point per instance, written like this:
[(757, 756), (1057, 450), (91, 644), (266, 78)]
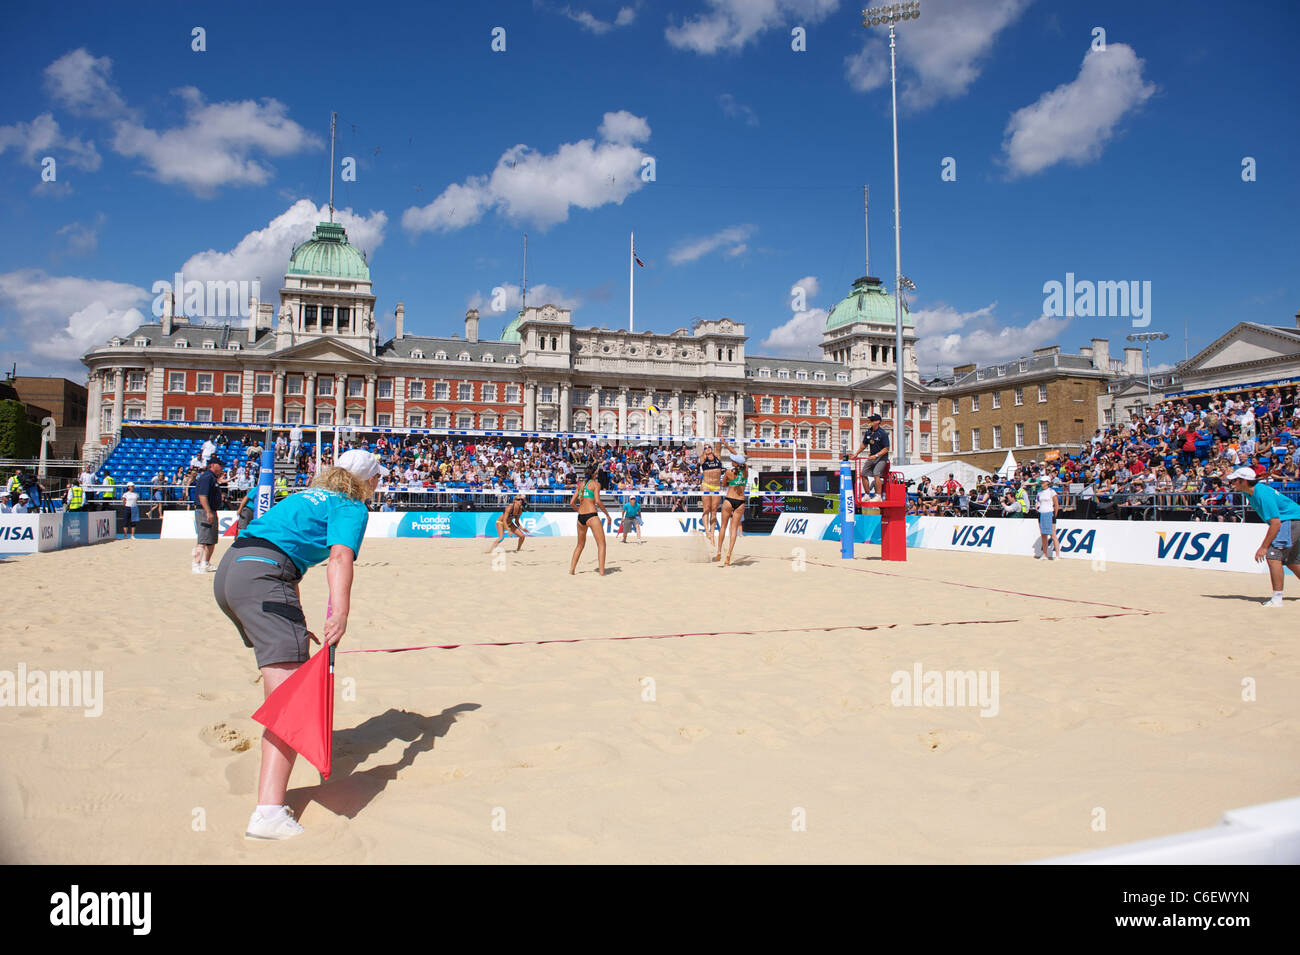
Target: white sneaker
[(209, 569), (197, 569), (280, 826), (1273, 602)]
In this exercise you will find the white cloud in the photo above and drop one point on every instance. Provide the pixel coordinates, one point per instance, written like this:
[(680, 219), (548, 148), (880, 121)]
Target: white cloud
[(527, 186), (41, 137), (731, 240), (1074, 122), (82, 83), (62, 317), (589, 21), (265, 252), (732, 24), (810, 286), (802, 332), (947, 337), (940, 54), (83, 239), (731, 108), (540, 294), (215, 145)]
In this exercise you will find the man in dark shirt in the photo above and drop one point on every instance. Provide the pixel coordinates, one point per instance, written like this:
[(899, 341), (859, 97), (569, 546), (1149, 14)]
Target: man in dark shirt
[(875, 441), (207, 494)]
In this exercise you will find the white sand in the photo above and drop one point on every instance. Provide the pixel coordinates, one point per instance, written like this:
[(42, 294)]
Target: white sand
[(1141, 714)]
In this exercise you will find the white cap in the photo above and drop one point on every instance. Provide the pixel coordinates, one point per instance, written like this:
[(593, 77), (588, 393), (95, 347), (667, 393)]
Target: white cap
[(1243, 474), (361, 463), (737, 457)]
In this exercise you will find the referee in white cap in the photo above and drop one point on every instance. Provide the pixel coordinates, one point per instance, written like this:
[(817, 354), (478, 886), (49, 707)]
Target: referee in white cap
[(1281, 546)]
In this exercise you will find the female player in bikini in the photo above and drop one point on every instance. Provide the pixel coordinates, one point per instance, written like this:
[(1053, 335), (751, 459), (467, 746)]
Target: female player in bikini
[(733, 503), (508, 523), (711, 485), (586, 500)]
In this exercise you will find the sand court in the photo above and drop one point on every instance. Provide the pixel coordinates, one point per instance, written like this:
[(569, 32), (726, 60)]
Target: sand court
[(694, 713)]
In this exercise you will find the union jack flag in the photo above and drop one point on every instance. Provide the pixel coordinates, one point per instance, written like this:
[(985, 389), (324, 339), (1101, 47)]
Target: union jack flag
[(773, 504)]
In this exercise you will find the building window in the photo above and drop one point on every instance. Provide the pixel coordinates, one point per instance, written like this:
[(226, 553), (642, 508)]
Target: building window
[(823, 407), (464, 421), (383, 420), (175, 381), (925, 412), (819, 376), (438, 421), (415, 421), (785, 431), (354, 417), (465, 391), (724, 402), (293, 385), (325, 416), (956, 441), (261, 415), (230, 415), (974, 402), (262, 384), (1020, 434), (325, 386), (182, 343), (765, 405), (232, 384), (805, 436), (765, 373), (209, 344), (1020, 396), (175, 414), (1042, 394), (416, 353), (512, 397), (975, 439), (547, 395), (490, 393), (997, 436), (956, 406), (203, 414), (440, 356), (384, 388), (488, 422), (205, 384), (925, 442), (1108, 416), (133, 413), (512, 360), (416, 392), (440, 391), (823, 439), (135, 381), (464, 356), (356, 387), (845, 409), (803, 405), (1042, 432), (785, 406), (845, 438), (801, 375), (309, 317), (997, 400), (783, 373), (141, 342), (842, 376), (290, 417), (511, 423), (767, 432)]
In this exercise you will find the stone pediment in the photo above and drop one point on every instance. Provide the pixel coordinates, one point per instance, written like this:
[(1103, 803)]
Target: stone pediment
[(1242, 345), (325, 350), (885, 380)]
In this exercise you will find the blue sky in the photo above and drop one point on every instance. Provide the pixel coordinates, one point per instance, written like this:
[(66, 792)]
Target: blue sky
[(1115, 164)]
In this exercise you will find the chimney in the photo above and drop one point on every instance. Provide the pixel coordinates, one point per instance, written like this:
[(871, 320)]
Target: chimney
[(471, 325), (1047, 352), (1086, 352), (168, 305), (401, 321), (1133, 361), (1101, 354)]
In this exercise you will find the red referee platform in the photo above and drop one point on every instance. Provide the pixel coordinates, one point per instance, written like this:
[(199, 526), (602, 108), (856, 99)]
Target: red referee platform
[(893, 511)]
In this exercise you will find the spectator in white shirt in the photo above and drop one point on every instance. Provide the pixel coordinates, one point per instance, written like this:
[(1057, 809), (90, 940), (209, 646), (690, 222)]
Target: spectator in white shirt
[(1047, 505)]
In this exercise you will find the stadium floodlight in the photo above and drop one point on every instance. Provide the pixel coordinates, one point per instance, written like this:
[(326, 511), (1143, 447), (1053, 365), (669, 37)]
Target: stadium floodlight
[(1146, 338), (889, 15)]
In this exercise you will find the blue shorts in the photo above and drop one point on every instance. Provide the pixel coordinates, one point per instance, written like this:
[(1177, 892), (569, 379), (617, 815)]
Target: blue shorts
[(1045, 521)]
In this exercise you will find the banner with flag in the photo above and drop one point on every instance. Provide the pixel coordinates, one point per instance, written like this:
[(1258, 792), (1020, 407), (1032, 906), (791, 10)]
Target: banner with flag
[(301, 710)]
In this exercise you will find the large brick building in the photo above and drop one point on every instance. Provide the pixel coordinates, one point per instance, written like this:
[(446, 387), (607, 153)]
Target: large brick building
[(317, 360), (62, 400)]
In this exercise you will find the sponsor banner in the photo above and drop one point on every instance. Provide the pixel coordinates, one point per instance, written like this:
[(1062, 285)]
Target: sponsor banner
[(30, 533), (82, 528), (805, 525), (179, 525)]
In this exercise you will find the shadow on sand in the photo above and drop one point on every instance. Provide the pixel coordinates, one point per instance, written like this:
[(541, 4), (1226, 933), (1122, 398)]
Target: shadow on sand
[(348, 792)]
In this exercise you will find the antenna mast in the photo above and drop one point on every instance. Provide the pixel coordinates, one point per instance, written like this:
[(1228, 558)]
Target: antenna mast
[(523, 299), (866, 245), (333, 119)]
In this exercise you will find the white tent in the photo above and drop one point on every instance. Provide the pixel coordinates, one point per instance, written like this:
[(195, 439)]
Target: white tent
[(1008, 466), (967, 475)]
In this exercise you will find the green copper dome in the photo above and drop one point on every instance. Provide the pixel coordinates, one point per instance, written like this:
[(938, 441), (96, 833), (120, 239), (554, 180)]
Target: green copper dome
[(511, 332), (329, 253), (868, 302)]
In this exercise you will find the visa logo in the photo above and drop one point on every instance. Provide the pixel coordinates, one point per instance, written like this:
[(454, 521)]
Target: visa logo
[(1184, 545), (1076, 540), (973, 535), (798, 526), (101, 527), (691, 524), (16, 534)]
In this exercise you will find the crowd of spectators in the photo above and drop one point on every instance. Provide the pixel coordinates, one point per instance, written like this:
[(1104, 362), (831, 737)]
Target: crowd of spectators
[(1174, 456)]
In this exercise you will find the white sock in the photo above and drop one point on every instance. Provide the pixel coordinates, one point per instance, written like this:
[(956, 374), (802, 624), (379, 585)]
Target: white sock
[(1277, 595), (268, 812)]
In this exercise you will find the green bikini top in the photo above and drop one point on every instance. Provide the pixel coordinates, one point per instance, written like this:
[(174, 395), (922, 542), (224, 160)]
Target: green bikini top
[(737, 481), (588, 493)]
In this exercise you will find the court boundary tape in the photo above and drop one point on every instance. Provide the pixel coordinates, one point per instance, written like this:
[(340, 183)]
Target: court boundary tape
[(996, 590), (722, 633)]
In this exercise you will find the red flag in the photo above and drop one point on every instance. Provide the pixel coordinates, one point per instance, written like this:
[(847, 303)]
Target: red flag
[(301, 710)]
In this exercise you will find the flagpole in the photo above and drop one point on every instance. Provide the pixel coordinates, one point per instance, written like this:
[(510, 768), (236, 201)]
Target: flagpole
[(631, 275)]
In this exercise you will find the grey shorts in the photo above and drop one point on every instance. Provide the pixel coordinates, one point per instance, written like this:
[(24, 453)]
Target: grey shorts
[(878, 468), (255, 587), (206, 533), (1286, 552)]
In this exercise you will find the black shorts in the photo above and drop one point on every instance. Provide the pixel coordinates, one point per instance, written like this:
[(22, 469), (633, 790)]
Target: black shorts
[(256, 587), (735, 505), (583, 518)]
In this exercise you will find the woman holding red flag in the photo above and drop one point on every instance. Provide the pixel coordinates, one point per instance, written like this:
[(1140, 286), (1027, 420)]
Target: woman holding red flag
[(256, 586)]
